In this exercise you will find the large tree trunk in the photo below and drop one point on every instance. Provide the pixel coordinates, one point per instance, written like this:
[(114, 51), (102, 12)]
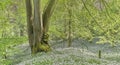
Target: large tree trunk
[(38, 26)]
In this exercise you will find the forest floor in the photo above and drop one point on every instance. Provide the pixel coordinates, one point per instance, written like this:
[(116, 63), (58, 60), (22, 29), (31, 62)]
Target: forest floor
[(80, 53)]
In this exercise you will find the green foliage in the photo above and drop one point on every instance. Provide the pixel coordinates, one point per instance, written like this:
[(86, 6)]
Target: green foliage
[(94, 61), (5, 62), (88, 22), (8, 44), (45, 62), (44, 47), (12, 19)]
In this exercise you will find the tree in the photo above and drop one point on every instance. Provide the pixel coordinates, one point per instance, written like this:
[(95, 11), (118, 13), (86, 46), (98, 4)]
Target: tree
[(37, 24), (69, 10)]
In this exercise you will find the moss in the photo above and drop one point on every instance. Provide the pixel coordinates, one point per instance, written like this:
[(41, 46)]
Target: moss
[(34, 50), (44, 47)]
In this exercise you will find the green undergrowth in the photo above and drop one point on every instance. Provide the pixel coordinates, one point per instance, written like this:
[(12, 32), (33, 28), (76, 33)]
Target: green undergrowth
[(7, 48), (69, 56), (65, 56)]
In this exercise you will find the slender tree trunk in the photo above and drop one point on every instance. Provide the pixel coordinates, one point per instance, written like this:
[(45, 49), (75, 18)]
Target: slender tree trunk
[(69, 29), (69, 4), (29, 22), (65, 30), (46, 16)]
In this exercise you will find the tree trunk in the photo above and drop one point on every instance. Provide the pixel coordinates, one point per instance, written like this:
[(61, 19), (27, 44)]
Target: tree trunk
[(69, 29), (29, 22), (46, 16), (69, 23), (38, 26)]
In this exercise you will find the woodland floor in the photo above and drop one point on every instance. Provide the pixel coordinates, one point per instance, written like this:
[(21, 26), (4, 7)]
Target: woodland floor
[(80, 53)]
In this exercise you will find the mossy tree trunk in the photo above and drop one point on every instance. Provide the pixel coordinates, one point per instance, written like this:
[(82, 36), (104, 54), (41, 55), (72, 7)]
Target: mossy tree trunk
[(38, 25)]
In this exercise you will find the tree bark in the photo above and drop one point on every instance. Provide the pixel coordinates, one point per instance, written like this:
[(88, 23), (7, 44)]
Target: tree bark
[(38, 26), (29, 22), (47, 14), (69, 23), (69, 29)]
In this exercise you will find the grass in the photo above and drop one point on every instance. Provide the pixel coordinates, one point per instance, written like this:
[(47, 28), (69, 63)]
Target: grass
[(93, 61), (9, 42), (7, 48)]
